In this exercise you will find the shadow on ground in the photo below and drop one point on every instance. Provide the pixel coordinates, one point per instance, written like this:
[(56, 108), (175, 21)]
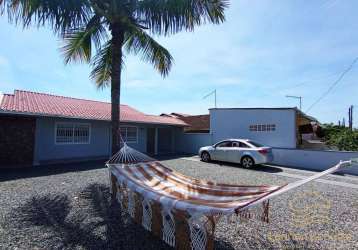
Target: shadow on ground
[(260, 168), (87, 221), (7, 174), (45, 170)]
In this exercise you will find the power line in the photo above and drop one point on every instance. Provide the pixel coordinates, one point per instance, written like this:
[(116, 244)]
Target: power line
[(305, 82), (334, 84)]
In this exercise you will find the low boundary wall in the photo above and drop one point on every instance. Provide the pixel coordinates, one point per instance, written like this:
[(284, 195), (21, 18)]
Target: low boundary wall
[(190, 143), (318, 160), (313, 159)]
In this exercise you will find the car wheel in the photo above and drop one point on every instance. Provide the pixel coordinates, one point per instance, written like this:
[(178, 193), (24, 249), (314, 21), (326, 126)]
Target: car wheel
[(247, 162), (205, 157)]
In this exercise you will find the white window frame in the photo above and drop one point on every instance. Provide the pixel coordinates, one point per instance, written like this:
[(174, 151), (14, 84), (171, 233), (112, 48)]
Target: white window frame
[(73, 128), (124, 126), (271, 127)]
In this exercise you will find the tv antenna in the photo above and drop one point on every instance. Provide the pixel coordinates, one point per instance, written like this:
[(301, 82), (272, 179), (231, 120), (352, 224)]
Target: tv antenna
[(211, 93), (296, 97)]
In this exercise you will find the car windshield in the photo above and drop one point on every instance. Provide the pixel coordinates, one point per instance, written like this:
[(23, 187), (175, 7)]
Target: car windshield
[(256, 144)]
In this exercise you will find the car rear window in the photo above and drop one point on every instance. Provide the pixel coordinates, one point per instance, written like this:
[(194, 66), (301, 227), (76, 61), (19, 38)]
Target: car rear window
[(256, 144)]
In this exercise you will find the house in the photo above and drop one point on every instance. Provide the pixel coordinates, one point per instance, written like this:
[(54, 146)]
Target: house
[(39, 128), (196, 123), (275, 127)]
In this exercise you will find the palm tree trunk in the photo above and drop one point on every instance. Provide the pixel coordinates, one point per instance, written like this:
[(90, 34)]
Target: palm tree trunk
[(117, 42)]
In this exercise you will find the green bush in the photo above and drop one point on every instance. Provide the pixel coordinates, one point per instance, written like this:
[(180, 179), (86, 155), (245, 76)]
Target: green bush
[(341, 137)]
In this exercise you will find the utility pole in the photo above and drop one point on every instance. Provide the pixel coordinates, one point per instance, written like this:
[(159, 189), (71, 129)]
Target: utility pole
[(350, 117), (296, 97), (211, 93)]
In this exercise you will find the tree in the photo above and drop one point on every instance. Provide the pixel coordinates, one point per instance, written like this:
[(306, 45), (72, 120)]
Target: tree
[(98, 32)]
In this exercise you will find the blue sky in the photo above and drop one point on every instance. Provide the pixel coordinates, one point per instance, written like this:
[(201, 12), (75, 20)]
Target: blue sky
[(265, 50)]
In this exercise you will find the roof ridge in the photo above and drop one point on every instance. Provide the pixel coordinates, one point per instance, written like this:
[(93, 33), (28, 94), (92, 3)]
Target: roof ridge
[(61, 96)]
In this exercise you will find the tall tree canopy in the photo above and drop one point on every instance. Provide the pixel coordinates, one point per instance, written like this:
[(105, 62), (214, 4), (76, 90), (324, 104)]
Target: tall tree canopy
[(99, 32)]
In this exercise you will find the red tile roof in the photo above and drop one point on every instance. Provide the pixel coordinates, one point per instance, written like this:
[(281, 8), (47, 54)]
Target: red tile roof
[(197, 123), (26, 102)]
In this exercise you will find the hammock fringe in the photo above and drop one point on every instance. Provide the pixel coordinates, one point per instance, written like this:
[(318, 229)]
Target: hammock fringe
[(184, 211)]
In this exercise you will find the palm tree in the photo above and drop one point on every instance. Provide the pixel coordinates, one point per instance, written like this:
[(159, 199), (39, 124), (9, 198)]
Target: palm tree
[(99, 32)]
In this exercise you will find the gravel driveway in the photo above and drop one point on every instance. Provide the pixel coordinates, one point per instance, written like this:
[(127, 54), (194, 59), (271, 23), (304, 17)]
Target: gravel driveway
[(68, 207)]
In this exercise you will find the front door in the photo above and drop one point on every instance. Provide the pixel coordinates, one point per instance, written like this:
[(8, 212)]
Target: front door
[(151, 141)]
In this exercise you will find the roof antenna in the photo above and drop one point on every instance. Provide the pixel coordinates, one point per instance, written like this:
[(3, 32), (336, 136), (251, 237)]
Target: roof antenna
[(211, 93)]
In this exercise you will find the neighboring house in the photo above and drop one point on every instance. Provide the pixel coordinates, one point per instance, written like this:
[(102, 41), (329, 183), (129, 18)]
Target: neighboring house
[(38, 128), (196, 123), (276, 127)]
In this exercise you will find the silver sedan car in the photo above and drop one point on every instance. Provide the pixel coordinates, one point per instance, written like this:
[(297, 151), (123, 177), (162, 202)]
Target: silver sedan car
[(246, 152)]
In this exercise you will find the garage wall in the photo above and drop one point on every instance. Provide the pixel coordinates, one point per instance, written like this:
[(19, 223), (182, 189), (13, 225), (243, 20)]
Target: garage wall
[(313, 159), (235, 123)]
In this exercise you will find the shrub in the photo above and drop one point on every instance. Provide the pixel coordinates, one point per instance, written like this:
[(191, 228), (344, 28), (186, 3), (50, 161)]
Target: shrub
[(341, 137)]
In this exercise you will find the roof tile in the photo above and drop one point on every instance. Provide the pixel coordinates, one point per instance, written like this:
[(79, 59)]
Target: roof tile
[(53, 105)]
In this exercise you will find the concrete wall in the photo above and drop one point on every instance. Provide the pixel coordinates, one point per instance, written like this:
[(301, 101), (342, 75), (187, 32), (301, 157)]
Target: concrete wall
[(234, 123), (313, 159), (191, 142), (17, 138)]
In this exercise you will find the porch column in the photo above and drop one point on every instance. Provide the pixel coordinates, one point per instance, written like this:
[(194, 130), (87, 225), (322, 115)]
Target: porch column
[(156, 142)]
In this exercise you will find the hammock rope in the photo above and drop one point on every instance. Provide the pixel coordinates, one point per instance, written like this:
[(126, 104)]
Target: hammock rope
[(128, 155)]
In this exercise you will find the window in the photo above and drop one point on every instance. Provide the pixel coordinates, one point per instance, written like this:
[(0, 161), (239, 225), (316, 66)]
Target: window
[(262, 127), (244, 145), (256, 144), (72, 133), (224, 144), (239, 144), (129, 134)]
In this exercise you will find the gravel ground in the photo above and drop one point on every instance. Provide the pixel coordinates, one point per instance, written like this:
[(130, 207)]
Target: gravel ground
[(68, 207)]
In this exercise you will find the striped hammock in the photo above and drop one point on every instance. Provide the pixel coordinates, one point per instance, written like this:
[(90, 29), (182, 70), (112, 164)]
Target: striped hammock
[(135, 174)]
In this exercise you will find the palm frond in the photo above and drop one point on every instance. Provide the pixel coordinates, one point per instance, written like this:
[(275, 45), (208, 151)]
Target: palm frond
[(102, 63), (78, 42), (172, 16), (138, 41), (60, 15)]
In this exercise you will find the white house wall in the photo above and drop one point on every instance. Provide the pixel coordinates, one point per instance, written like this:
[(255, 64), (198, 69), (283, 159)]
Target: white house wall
[(235, 123)]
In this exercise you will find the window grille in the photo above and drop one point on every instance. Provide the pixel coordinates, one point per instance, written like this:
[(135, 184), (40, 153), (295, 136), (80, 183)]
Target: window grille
[(72, 133), (129, 134), (262, 127)]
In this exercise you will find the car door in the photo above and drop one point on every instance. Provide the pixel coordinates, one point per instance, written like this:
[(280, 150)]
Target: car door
[(233, 153), (244, 149), (220, 153)]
